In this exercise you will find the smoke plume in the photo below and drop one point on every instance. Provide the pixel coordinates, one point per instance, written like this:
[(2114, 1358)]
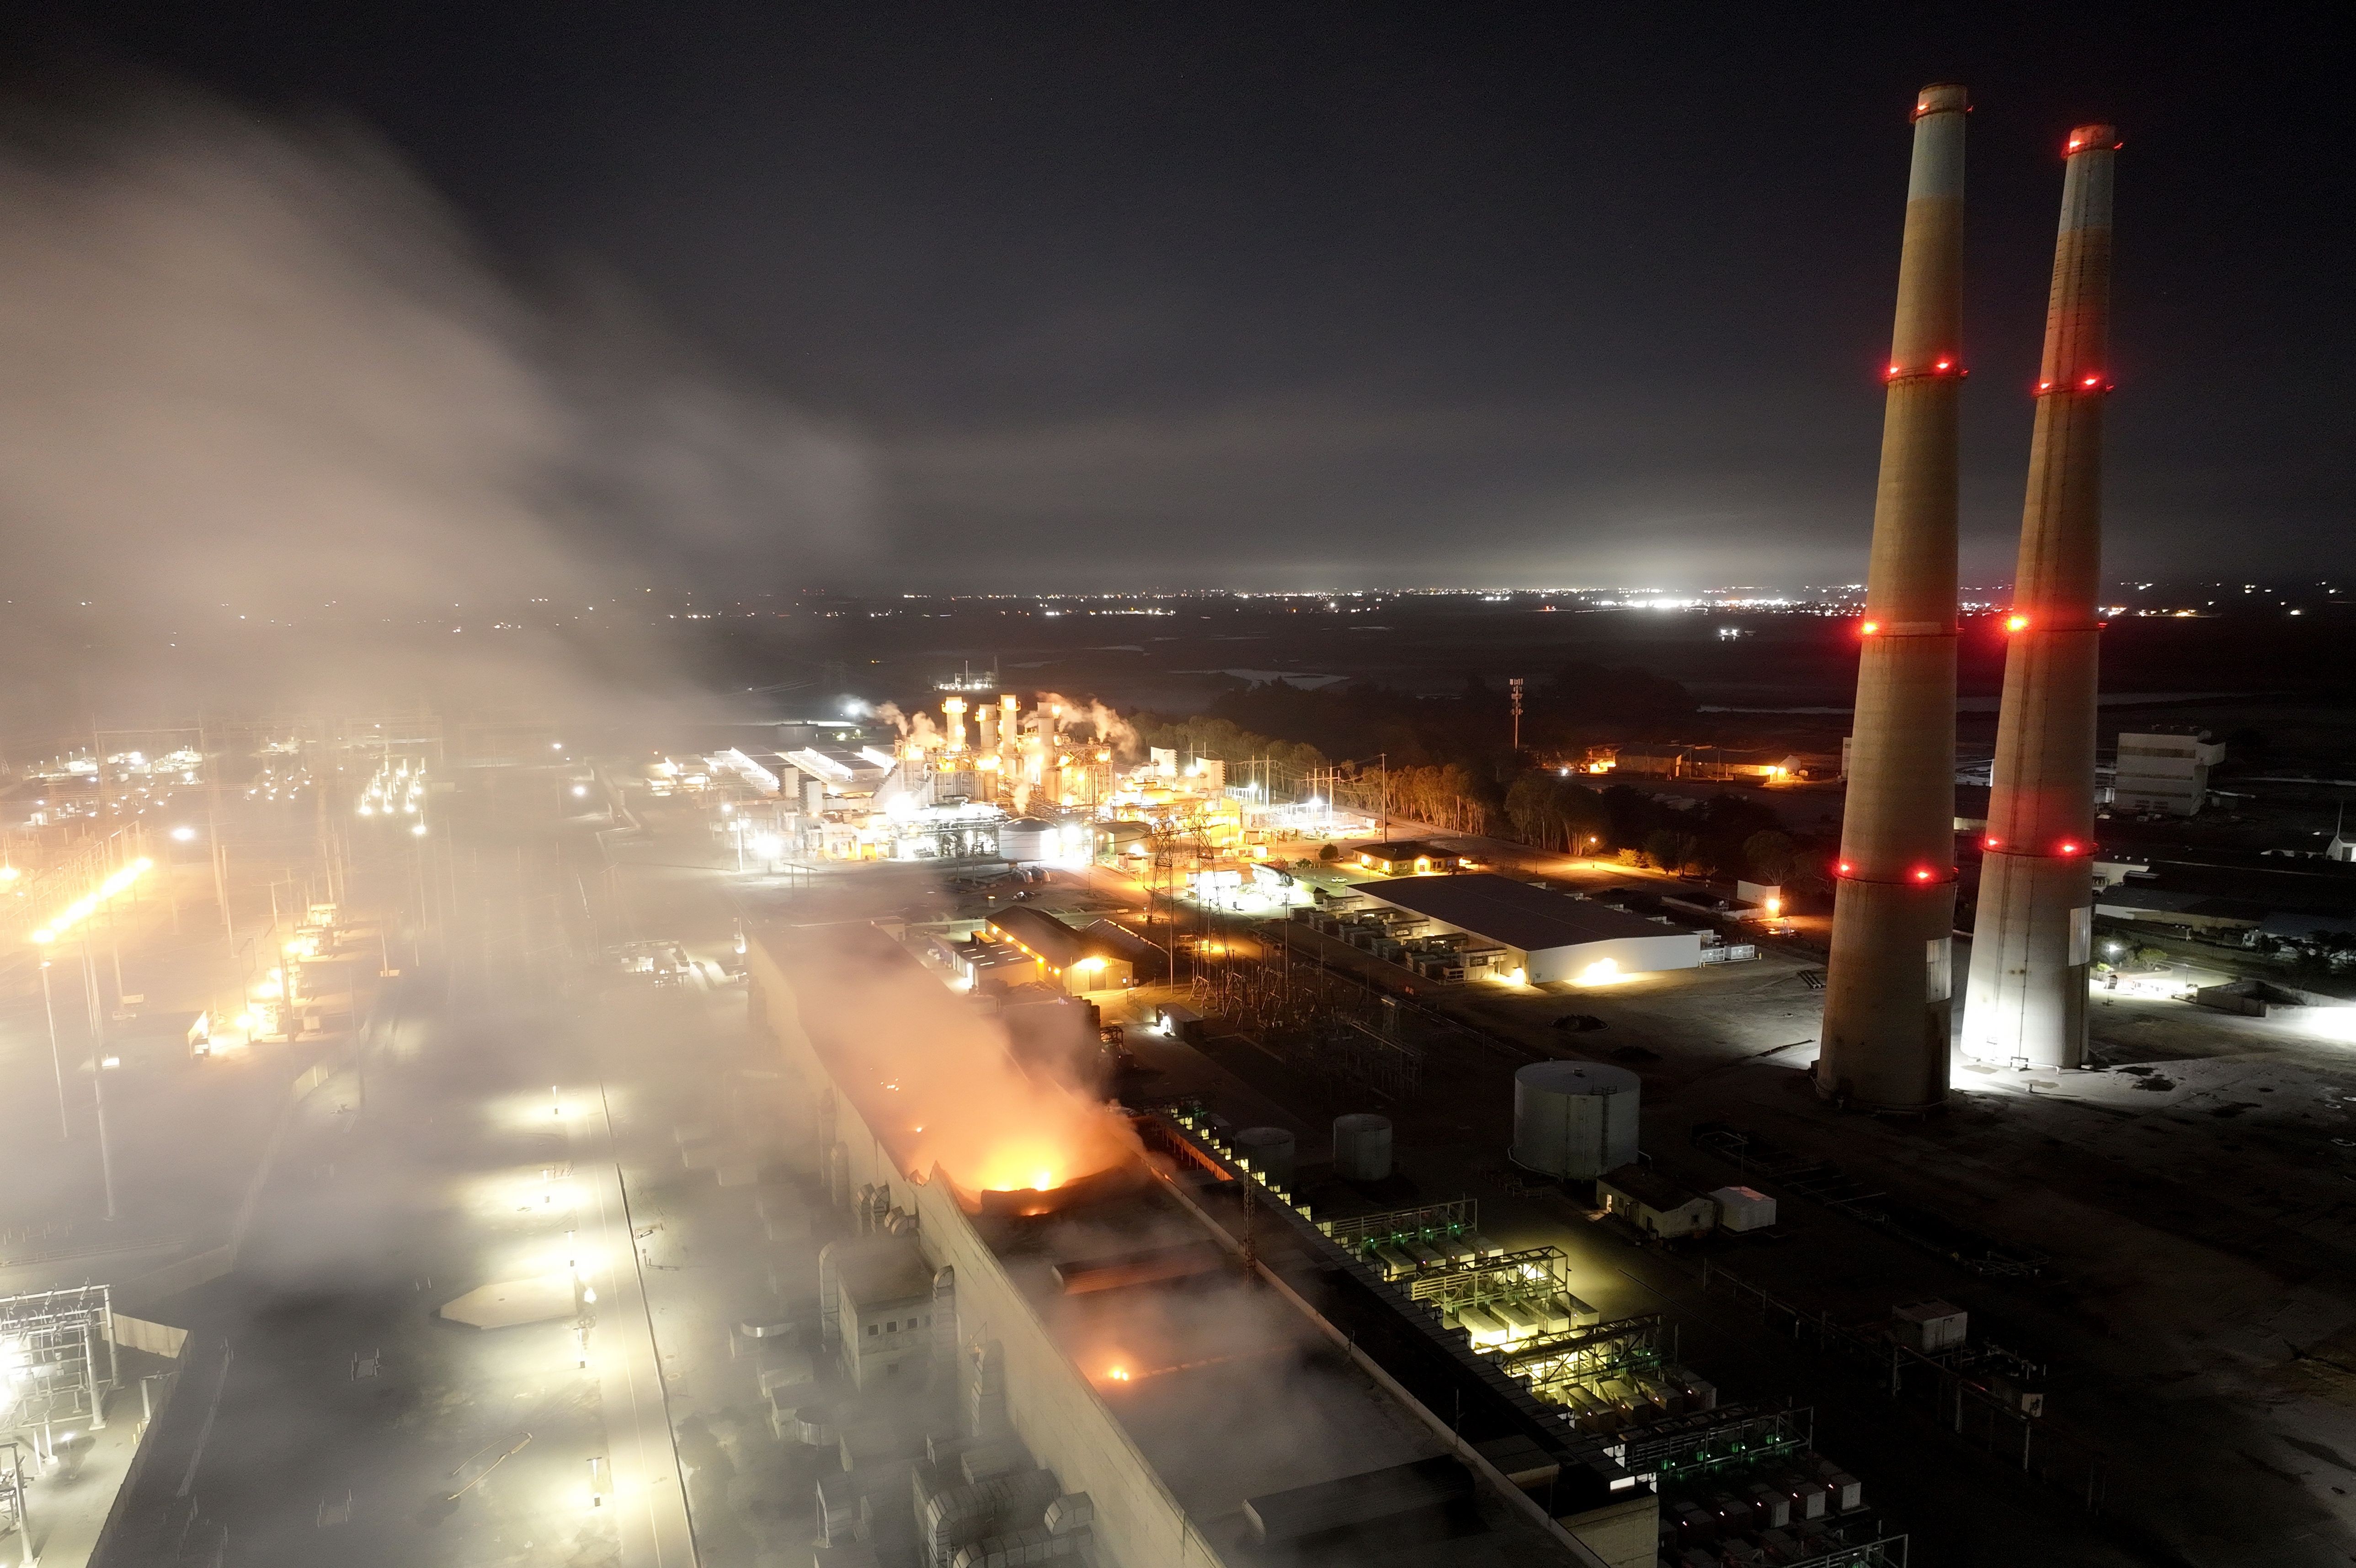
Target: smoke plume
[(1106, 726), (948, 1072), (256, 378)]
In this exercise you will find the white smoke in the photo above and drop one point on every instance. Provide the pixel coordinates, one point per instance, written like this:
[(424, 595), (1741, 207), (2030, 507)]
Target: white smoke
[(1066, 714), (247, 370)]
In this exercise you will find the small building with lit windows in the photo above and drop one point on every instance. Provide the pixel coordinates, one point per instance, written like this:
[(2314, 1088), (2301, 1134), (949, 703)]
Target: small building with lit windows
[(1072, 961), (1412, 859)]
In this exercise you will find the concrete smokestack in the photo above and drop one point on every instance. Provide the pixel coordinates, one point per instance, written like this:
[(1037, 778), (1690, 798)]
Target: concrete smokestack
[(2027, 997), (1886, 996)]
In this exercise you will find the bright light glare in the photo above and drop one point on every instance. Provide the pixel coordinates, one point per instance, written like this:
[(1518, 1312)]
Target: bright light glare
[(1602, 971), (82, 908), (184, 834)]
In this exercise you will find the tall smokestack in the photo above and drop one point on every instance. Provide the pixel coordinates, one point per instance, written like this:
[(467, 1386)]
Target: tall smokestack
[(1886, 996), (2035, 933)]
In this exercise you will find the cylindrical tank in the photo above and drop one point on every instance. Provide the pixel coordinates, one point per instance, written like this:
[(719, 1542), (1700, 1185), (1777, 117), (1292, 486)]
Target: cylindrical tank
[(1026, 840), (1270, 1150), (1574, 1118), (1362, 1146)]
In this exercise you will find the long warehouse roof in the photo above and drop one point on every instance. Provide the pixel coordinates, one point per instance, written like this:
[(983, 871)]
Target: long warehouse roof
[(1516, 914)]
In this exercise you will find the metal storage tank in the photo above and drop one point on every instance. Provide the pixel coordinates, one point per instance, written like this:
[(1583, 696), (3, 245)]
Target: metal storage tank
[(1362, 1146), (1026, 840), (1270, 1149), (1574, 1118)]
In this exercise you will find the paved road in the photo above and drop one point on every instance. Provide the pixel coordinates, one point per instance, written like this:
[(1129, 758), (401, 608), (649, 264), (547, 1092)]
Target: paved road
[(647, 1486)]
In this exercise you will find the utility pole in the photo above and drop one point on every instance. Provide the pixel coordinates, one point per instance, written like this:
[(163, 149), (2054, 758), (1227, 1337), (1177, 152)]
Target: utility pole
[(98, 1070), (57, 1063), (1514, 683)]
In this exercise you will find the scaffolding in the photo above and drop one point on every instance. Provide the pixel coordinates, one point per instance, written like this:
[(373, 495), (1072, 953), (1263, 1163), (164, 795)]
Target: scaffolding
[(1736, 1436), (56, 1356), (1532, 1277), (1362, 1233), (1554, 1365)]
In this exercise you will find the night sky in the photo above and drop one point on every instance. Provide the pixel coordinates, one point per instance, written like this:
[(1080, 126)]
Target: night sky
[(1113, 296)]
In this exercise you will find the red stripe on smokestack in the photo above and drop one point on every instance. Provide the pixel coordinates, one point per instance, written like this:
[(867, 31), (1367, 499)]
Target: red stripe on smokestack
[(1886, 996)]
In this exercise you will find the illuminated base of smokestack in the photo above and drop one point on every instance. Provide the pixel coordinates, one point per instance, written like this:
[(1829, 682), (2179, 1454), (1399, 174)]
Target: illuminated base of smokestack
[(2026, 1001), (1887, 997)]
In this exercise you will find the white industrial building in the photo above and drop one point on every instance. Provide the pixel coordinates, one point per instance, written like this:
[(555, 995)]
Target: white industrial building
[(1548, 936), (2165, 771)]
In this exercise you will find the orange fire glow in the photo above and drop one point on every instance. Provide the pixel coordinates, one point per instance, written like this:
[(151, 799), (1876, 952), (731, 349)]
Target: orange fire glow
[(946, 1076)]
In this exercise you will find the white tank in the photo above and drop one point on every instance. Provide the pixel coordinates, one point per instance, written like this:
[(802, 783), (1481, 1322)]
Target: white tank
[(1362, 1146), (1270, 1149), (1574, 1119), (1026, 840)]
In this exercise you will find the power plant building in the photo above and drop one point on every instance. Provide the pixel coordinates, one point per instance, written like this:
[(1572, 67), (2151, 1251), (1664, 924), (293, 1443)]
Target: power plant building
[(2165, 772), (1547, 937), (1073, 961), (1061, 1402)]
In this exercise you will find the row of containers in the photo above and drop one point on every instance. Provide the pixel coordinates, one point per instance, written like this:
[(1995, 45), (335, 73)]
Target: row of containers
[(1739, 1484)]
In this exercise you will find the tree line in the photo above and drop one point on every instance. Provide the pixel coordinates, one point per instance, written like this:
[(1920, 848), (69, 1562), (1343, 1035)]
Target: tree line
[(1447, 761)]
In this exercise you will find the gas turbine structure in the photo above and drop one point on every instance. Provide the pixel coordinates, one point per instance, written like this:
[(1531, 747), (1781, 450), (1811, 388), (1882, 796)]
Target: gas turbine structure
[(1888, 984), (2026, 1001)]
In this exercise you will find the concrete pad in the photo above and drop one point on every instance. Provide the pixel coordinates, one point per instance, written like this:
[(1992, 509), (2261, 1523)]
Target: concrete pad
[(510, 1304)]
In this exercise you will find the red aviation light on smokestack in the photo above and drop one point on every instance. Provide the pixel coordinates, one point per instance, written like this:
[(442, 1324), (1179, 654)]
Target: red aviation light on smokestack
[(2015, 623), (1869, 628), (2069, 848), (1991, 842)]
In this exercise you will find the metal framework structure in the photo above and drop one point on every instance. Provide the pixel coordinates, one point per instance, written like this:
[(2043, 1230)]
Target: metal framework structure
[(1719, 1439), (1883, 1552), (1587, 1355), (56, 1356), (1426, 1222), (1534, 1274)]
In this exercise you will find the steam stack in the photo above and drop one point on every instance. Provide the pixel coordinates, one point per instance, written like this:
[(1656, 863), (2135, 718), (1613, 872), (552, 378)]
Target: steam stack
[(1886, 995), (2026, 1002)]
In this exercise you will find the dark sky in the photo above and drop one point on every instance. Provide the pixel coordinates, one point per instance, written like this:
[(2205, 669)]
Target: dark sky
[(1275, 295)]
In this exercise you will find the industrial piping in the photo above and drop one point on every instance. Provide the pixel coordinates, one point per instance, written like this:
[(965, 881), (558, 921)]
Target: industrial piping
[(1888, 982), (2026, 1002)]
